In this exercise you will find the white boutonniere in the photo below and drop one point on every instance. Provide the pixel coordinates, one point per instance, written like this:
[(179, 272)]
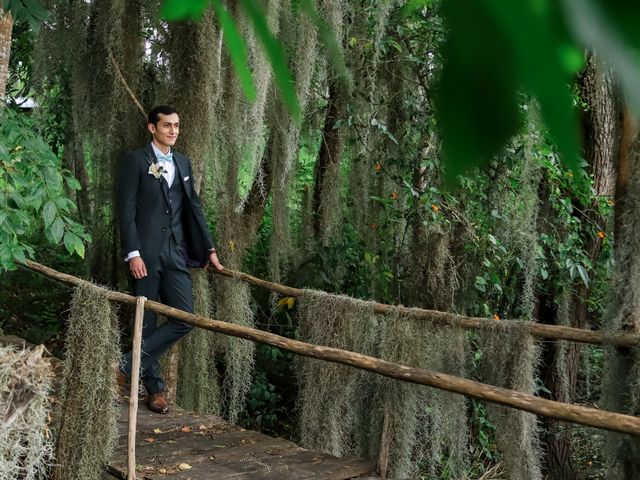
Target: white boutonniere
[(156, 170)]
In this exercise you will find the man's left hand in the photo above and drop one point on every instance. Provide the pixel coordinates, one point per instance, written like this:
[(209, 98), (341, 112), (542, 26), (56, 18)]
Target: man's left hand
[(213, 260)]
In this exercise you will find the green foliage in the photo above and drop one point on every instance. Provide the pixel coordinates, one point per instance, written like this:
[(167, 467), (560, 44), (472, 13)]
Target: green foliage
[(484, 450), (28, 10), (495, 49), (33, 308), (270, 401), (19, 82), (32, 194), (263, 403)]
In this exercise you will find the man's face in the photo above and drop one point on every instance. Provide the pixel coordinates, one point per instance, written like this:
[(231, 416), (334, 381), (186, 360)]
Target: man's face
[(165, 132)]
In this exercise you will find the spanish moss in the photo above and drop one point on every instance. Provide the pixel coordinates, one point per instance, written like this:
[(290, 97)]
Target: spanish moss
[(87, 411), (510, 360)]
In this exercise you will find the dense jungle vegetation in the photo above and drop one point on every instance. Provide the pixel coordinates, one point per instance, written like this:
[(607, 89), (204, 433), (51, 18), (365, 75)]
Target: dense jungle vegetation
[(465, 157)]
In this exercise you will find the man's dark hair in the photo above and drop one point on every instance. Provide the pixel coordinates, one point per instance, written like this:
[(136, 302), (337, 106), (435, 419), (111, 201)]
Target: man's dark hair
[(154, 114)]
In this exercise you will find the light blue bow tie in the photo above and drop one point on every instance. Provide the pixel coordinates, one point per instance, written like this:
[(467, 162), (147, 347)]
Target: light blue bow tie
[(165, 158)]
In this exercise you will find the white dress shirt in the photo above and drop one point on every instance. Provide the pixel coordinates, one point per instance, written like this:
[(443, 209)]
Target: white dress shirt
[(168, 168)]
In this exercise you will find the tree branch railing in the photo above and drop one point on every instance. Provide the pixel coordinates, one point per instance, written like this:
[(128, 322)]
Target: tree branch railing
[(540, 330), (591, 417)]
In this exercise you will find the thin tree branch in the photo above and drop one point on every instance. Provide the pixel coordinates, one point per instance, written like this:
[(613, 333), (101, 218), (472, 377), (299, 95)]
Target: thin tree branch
[(540, 330), (125, 85)]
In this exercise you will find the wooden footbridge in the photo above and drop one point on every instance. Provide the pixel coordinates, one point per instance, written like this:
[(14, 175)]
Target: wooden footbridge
[(183, 445)]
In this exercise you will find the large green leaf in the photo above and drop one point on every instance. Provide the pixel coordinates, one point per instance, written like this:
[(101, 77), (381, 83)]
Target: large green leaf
[(79, 247), (494, 51), (57, 230), (30, 11), (183, 9), (539, 40), (611, 29), (70, 241), (478, 91), (49, 213)]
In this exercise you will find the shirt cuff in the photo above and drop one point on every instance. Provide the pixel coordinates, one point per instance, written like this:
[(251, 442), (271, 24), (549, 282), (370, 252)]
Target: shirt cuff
[(135, 253)]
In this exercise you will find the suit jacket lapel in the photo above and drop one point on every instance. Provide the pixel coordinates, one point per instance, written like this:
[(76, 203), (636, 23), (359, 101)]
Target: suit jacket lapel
[(180, 167), (150, 155), (165, 188)]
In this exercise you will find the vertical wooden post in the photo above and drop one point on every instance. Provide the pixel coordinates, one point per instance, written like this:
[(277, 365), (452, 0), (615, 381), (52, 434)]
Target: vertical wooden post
[(170, 372), (385, 443), (133, 394)]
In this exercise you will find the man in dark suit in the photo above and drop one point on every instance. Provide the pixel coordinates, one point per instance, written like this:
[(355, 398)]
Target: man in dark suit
[(163, 233)]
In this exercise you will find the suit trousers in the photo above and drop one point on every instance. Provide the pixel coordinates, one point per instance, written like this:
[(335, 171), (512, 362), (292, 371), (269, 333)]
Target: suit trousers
[(168, 280)]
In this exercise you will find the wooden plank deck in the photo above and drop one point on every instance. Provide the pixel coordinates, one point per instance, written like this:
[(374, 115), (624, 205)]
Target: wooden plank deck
[(186, 446)]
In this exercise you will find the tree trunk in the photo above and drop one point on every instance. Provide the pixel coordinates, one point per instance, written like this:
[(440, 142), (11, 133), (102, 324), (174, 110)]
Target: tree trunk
[(191, 57), (330, 149), (113, 28), (73, 159), (6, 27), (601, 145), (620, 387)]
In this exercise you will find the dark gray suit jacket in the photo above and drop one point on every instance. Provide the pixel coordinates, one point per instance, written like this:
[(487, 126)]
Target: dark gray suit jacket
[(142, 203)]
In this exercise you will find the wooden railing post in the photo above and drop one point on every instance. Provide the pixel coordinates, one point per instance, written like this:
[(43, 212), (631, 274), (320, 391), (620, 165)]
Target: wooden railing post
[(133, 394), (385, 443)]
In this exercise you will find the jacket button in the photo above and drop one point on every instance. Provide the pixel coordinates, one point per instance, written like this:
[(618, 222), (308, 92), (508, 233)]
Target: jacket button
[(166, 211), (164, 229)]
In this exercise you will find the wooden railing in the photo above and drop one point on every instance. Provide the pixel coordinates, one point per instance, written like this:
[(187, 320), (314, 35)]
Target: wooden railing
[(591, 417), (553, 332)]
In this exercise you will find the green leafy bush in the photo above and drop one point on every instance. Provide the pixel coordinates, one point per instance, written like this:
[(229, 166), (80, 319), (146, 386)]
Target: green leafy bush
[(32, 193)]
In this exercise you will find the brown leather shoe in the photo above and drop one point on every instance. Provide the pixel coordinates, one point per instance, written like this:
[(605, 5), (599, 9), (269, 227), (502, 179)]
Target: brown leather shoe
[(157, 403)]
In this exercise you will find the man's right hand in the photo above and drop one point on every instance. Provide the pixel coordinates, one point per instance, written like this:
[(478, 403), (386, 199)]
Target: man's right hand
[(138, 268)]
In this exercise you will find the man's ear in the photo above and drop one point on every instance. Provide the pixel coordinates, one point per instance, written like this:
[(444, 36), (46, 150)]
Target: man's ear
[(151, 127)]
